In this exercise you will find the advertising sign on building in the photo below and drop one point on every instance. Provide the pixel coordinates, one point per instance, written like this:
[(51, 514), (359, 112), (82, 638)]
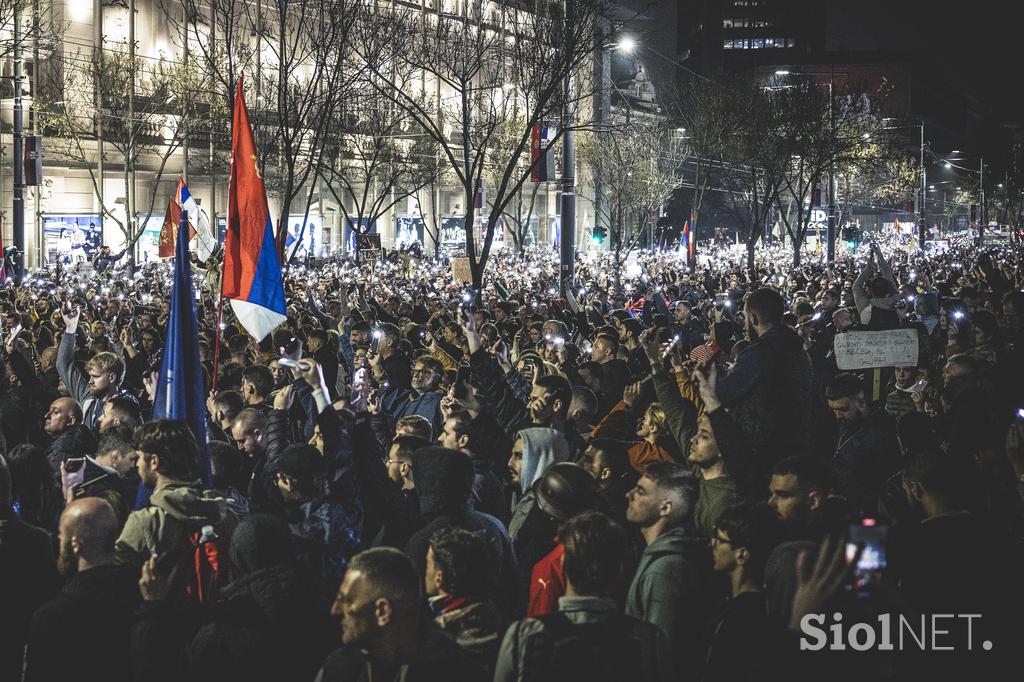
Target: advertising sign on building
[(71, 238)]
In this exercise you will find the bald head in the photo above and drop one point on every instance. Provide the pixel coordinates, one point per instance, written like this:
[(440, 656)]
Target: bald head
[(88, 530), (62, 415)]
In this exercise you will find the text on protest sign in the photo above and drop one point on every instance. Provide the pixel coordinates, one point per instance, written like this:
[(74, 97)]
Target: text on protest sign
[(863, 350)]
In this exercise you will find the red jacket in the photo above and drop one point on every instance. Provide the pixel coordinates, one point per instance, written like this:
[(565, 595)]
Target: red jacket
[(547, 583)]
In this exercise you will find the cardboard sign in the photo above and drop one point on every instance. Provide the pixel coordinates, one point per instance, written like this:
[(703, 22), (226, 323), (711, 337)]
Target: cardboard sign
[(461, 270), (863, 350)]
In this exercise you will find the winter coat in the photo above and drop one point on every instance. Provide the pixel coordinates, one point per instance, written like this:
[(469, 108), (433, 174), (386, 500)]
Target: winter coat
[(270, 624), (443, 481), (768, 394), (401, 402), (436, 658), (76, 441), (177, 509), (670, 589), (29, 579), (654, 659), (867, 453), (476, 627), (326, 529), (82, 632)]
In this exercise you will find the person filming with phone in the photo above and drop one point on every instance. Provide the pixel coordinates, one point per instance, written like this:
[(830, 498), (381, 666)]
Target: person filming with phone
[(101, 380)]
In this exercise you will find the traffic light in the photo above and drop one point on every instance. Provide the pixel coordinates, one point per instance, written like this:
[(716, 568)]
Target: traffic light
[(599, 234)]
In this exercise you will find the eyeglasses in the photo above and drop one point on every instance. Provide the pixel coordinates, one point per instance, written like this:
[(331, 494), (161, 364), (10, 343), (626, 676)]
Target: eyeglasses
[(717, 539)]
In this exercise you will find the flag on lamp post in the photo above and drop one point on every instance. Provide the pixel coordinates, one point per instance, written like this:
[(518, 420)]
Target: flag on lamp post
[(179, 389), (252, 277)]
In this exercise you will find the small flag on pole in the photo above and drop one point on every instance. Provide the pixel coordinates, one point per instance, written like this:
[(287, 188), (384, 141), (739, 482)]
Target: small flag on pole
[(198, 221), (541, 153)]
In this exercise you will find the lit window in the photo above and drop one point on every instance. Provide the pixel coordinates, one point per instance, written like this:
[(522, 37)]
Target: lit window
[(757, 44), (790, 42), (727, 44), (726, 23)]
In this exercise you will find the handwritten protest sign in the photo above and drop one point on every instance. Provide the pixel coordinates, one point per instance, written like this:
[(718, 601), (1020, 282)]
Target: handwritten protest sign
[(461, 270), (863, 350)]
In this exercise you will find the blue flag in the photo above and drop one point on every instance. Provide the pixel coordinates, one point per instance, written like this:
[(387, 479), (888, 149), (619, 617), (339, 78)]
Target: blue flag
[(179, 389)]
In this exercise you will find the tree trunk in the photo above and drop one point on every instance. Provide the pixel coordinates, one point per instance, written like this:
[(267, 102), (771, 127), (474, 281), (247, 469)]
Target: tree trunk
[(796, 253), (750, 253)]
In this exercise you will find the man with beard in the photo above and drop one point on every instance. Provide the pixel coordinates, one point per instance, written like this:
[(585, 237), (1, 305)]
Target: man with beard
[(717, 487), (867, 452), (387, 634), (83, 631), (423, 399), (767, 393), (101, 380)]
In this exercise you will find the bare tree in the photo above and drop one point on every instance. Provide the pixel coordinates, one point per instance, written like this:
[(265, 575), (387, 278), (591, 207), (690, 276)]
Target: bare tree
[(753, 166), (821, 128), (373, 162), (460, 76), (162, 120), (639, 162)]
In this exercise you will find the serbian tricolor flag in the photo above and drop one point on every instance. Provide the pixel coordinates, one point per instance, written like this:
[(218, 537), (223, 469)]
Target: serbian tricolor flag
[(541, 156), (252, 270), (198, 221), (686, 241)]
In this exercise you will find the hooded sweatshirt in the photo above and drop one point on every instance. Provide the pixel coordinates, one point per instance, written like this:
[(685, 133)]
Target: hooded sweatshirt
[(542, 447), (177, 509), (443, 479), (670, 590)]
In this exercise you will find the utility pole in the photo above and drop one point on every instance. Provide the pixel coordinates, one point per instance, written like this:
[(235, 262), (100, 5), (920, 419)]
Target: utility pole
[(130, 199), (18, 200), (981, 187), (830, 232), (922, 224), (98, 104), (568, 209)]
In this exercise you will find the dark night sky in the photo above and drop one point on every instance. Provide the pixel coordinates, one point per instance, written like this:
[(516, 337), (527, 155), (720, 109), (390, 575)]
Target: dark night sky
[(976, 44)]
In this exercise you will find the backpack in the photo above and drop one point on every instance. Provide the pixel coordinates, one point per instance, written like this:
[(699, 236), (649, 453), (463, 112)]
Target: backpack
[(597, 652), (208, 570)]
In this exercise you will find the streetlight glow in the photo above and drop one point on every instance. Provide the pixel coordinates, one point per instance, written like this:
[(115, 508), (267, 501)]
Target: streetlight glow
[(626, 45), (782, 72)]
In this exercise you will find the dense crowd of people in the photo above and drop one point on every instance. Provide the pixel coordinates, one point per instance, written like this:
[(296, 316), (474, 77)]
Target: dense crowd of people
[(661, 473)]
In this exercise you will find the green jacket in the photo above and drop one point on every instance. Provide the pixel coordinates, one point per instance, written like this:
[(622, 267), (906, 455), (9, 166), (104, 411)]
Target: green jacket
[(670, 590), (715, 495), (176, 510), (680, 412)]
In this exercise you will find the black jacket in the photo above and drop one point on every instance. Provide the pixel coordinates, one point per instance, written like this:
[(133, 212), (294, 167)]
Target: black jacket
[(78, 441), (866, 454), (444, 479), (768, 396), (437, 658), (28, 577), (82, 633), (272, 624)]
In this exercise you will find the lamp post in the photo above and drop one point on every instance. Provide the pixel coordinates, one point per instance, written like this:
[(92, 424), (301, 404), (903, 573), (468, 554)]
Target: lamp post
[(18, 198), (567, 220)]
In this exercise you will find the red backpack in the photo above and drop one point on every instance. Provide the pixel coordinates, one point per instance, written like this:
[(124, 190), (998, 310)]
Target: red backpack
[(208, 572)]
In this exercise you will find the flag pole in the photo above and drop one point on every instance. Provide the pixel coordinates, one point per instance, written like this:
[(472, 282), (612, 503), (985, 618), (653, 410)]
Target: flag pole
[(216, 341)]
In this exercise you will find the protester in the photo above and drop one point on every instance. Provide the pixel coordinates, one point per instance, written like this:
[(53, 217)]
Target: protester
[(593, 445)]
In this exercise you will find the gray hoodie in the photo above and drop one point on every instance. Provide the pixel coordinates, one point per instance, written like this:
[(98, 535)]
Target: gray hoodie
[(542, 447)]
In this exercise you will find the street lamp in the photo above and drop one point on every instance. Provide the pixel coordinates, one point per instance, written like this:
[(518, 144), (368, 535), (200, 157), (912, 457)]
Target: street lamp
[(626, 45)]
